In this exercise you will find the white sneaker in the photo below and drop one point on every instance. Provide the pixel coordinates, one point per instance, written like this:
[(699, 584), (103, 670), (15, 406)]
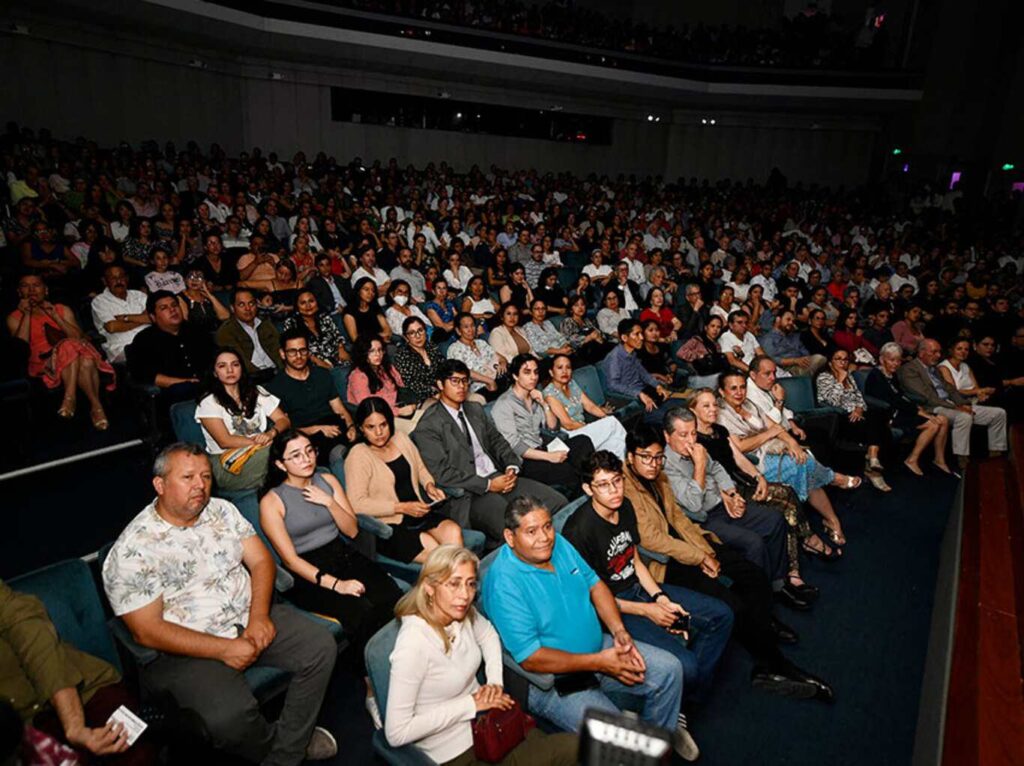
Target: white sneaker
[(321, 746), (686, 747), (374, 711)]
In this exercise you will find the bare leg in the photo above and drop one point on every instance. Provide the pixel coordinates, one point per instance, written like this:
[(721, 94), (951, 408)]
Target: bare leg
[(89, 382), (447, 532), (941, 439), (924, 438), (70, 377)]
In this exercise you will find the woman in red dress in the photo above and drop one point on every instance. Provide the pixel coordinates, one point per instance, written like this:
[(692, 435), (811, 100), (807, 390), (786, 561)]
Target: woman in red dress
[(59, 352)]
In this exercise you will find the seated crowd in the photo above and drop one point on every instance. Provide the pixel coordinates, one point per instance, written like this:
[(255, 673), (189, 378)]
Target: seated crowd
[(446, 353)]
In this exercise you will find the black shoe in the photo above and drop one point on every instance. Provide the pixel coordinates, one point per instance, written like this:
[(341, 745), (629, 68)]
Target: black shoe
[(806, 592), (823, 692), (783, 633), (791, 598), (781, 682)]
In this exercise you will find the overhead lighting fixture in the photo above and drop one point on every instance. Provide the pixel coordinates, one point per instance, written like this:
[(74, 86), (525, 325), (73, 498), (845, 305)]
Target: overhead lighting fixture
[(458, 115), (703, 120), (650, 118), (712, 121), (657, 119), (276, 76)]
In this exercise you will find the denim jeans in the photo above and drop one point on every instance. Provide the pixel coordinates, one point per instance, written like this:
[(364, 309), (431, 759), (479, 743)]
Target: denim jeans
[(710, 627), (659, 695)]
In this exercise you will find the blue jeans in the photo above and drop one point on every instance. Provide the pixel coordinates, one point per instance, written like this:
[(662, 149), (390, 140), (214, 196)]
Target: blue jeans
[(659, 695), (710, 627)]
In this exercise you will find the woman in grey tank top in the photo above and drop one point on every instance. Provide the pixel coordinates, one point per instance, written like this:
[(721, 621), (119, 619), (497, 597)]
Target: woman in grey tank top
[(309, 521)]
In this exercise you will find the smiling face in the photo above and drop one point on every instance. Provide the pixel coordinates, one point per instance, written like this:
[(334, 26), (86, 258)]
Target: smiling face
[(534, 539), (733, 389)]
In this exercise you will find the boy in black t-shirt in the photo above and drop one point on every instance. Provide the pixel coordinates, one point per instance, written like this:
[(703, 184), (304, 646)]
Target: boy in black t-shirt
[(605, 533)]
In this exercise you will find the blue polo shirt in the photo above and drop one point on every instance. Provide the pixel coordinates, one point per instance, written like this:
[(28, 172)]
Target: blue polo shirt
[(534, 608)]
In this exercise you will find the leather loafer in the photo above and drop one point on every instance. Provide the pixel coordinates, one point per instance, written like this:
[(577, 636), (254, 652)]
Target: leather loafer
[(778, 682), (789, 597), (823, 692), (783, 633)]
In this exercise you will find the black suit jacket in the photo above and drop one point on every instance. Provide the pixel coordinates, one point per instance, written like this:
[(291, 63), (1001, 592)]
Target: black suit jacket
[(322, 291), (448, 454)]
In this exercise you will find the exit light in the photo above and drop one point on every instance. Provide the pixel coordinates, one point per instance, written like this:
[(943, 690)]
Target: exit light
[(897, 152), (1008, 166)]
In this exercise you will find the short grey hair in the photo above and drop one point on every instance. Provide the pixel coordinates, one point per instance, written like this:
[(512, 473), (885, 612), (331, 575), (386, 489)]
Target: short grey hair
[(161, 463), (677, 415), (891, 349)]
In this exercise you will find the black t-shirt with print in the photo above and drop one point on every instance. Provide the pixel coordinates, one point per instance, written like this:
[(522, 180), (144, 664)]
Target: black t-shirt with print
[(608, 548)]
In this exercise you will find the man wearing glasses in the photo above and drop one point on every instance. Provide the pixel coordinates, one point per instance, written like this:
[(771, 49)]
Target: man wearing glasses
[(310, 398), (464, 451), (605, 533)]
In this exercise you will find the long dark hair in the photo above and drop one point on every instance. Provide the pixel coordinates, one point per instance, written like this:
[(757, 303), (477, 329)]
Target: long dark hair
[(374, 307), (275, 476), (361, 361), (248, 391)]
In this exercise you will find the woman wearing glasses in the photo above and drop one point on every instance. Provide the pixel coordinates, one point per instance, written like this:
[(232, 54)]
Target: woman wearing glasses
[(433, 692), (862, 425), (416, 361), (308, 519)]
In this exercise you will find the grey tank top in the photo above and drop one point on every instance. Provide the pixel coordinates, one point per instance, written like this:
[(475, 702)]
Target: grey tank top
[(309, 525)]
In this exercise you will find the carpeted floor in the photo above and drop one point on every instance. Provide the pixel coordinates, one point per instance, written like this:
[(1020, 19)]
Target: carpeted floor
[(867, 635)]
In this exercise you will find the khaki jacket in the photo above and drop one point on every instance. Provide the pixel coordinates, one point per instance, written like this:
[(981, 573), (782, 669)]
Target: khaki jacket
[(35, 664), (370, 485), (653, 520)]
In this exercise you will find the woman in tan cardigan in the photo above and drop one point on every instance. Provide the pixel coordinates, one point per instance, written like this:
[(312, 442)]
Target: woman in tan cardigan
[(384, 475)]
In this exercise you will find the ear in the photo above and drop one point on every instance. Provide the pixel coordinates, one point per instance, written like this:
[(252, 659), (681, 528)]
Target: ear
[(587, 490), (510, 538), (158, 485)]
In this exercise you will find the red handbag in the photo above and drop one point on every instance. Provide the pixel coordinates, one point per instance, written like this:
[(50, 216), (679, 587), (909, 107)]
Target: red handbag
[(497, 732)]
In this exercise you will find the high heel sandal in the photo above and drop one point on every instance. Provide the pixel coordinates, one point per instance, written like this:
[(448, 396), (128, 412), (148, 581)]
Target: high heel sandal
[(878, 482), (873, 464), (852, 482), (835, 537), (825, 554), (100, 422), (67, 408), (916, 470)]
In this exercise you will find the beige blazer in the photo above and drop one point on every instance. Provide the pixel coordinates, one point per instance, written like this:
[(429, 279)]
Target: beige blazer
[(370, 485)]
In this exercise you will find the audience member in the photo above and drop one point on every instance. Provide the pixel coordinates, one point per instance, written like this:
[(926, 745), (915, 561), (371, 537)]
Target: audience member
[(239, 420), (883, 385), (508, 338), (571, 405), (309, 520), (326, 344), (415, 361), (373, 374), (441, 642), (256, 340), (308, 394), (363, 317), (739, 344), (627, 377), (387, 479), (553, 625), (541, 334), (441, 311), (784, 346), (487, 368), (199, 305), (604, 532), (586, 340), (118, 314), (463, 449), (207, 637), (60, 354)]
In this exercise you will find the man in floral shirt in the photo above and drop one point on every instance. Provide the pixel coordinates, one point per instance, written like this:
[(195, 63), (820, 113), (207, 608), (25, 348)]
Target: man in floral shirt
[(191, 579)]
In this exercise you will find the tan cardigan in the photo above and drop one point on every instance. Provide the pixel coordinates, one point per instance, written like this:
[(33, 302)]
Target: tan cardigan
[(653, 520), (370, 485)]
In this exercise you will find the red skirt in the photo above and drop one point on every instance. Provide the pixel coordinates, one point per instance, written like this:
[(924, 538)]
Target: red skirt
[(67, 351)]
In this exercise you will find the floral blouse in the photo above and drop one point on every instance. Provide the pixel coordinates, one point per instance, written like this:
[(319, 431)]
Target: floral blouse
[(577, 331), (543, 336), (483, 360)]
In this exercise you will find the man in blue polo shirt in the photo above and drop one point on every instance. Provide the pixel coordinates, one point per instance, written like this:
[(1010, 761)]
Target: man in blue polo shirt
[(548, 606)]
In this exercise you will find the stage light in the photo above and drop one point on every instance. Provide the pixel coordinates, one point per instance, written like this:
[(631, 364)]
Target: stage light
[(703, 120), (1008, 166), (897, 152), (650, 118), (712, 121)]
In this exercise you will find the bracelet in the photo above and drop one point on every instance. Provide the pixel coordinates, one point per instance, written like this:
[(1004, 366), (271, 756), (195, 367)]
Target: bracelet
[(658, 595), (334, 586), (319, 576)]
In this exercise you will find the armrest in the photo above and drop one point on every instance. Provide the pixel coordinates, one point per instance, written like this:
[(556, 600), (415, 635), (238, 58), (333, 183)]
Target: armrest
[(374, 526), (651, 555), (876, 404), (543, 681), (453, 491), (283, 580), (142, 655)]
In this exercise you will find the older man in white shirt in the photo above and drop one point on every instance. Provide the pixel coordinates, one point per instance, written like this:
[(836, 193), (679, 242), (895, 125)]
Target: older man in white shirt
[(119, 314)]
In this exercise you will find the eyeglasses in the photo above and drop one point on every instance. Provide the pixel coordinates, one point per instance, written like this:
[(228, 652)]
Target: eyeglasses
[(648, 459), (416, 331), (454, 586), (309, 452), (458, 380), (608, 486), (296, 352)]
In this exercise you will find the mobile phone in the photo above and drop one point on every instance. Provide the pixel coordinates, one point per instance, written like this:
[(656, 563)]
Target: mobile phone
[(682, 622)]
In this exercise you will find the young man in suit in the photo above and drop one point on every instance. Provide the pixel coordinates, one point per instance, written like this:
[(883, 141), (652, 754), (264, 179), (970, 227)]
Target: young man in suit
[(464, 450)]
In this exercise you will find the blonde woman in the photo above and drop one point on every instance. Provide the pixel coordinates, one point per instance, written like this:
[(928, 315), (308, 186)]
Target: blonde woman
[(433, 694)]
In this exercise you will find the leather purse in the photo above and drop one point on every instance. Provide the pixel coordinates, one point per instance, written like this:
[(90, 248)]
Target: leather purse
[(497, 732)]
